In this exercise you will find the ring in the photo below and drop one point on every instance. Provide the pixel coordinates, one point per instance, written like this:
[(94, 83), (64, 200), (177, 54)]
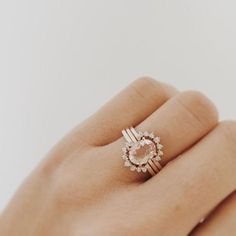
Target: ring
[(142, 151)]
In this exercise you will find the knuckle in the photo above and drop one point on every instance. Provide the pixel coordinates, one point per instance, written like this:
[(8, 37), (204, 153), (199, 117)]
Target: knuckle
[(148, 88), (145, 81), (199, 106), (145, 84), (62, 191), (66, 189), (145, 87)]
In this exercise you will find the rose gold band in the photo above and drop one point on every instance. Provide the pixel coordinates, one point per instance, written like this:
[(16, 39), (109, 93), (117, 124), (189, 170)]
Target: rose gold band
[(157, 163), (150, 170)]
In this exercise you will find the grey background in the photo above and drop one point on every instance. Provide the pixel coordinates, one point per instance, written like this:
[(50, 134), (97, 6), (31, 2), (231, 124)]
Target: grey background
[(61, 60)]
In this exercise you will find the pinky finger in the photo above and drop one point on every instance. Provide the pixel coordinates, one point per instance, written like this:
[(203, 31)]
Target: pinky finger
[(222, 221)]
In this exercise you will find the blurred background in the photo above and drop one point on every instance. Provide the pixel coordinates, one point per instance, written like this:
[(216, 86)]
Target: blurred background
[(62, 59)]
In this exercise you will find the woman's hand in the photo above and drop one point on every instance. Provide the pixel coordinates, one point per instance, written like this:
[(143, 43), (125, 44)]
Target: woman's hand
[(83, 188)]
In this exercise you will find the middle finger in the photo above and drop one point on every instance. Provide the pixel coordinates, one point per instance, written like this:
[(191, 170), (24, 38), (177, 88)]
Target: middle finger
[(192, 185)]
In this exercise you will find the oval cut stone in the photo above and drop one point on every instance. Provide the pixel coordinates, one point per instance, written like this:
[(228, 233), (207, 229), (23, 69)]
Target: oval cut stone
[(142, 151)]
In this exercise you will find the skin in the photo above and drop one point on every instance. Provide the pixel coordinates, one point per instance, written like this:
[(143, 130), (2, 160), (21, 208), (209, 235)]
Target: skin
[(82, 187)]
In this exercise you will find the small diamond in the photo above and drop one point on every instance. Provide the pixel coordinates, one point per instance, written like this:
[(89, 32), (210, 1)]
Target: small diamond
[(138, 136), (132, 168), (144, 169), (146, 133), (127, 163), (142, 142), (151, 135), (158, 158), (157, 140), (140, 133), (127, 145), (124, 149), (124, 157), (160, 153), (159, 146), (139, 169)]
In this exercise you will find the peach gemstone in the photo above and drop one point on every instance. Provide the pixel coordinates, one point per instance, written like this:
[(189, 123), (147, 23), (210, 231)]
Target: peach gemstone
[(142, 151)]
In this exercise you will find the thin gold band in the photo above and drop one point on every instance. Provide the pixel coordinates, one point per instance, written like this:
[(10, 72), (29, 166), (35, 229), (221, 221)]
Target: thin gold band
[(150, 170), (157, 163), (131, 135), (154, 167)]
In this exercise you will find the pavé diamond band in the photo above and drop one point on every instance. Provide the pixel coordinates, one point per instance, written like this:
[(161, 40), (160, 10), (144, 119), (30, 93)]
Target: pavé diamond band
[(142, 151)]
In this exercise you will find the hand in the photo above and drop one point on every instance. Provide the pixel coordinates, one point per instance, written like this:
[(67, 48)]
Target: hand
[(83, 188)]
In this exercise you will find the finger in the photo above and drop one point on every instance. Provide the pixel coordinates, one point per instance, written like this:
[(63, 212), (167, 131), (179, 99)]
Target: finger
[(129, 107), (221, 221), (193, 184), (180, 122)]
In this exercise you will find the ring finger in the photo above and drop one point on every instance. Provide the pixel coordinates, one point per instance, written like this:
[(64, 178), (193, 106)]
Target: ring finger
[(180, 122), (188, 189)]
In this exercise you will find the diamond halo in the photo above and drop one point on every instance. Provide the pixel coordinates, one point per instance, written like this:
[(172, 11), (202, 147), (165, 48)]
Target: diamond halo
[(137, 154)]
